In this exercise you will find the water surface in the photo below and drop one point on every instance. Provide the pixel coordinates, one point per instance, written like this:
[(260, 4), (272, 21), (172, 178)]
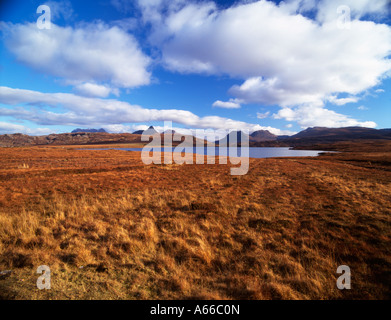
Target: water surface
[(261, 152)]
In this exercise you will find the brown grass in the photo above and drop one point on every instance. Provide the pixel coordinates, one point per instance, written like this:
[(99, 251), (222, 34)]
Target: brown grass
[(110, 227)]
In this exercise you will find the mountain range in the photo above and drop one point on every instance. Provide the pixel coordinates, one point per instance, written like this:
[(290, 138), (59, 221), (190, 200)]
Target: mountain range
[(261, 138), (323, 135), (78, 130)]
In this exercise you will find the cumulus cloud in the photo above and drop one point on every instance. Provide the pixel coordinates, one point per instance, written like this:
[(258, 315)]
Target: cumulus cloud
[(232, 104), (310, 116), (84, 111), (327, 9), (118, 128), (283, 56), (88, 89), (87, 53)]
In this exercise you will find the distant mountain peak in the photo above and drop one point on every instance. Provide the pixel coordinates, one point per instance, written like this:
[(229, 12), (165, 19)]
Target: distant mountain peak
[(262, 135), (345, 132), (78, 130), (138, 132), (151, 130)]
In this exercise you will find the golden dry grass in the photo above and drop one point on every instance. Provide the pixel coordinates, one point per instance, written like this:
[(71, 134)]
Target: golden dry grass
[(110, 227)]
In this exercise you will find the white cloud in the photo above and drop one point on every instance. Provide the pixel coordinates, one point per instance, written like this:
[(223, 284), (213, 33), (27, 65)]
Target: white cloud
[(88, 53), (137, 127), (232, 104), (152, 9), (342, 101), (312, 116), (118, 128), (327, 10), (263, 115), (270, 91), (284, 58), (83, 111), (6, 127), (60, 9), (124, 6), (126, 24), (88, 89), (362, 108), (379, 90)]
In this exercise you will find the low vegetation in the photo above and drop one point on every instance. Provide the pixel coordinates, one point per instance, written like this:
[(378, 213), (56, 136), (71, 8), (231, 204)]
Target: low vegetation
[(110, 227)]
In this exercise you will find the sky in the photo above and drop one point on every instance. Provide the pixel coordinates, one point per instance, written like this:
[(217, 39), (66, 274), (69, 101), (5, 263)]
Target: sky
[(124, 65)]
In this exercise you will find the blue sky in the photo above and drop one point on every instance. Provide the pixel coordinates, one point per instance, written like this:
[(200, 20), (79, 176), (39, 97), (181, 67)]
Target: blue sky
[(124, 65)]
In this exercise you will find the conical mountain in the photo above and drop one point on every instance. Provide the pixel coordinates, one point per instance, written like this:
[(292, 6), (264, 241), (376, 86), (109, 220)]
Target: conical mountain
[(151, 130)]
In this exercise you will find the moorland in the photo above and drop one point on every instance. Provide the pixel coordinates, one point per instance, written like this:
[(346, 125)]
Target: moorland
[(110, 227)]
